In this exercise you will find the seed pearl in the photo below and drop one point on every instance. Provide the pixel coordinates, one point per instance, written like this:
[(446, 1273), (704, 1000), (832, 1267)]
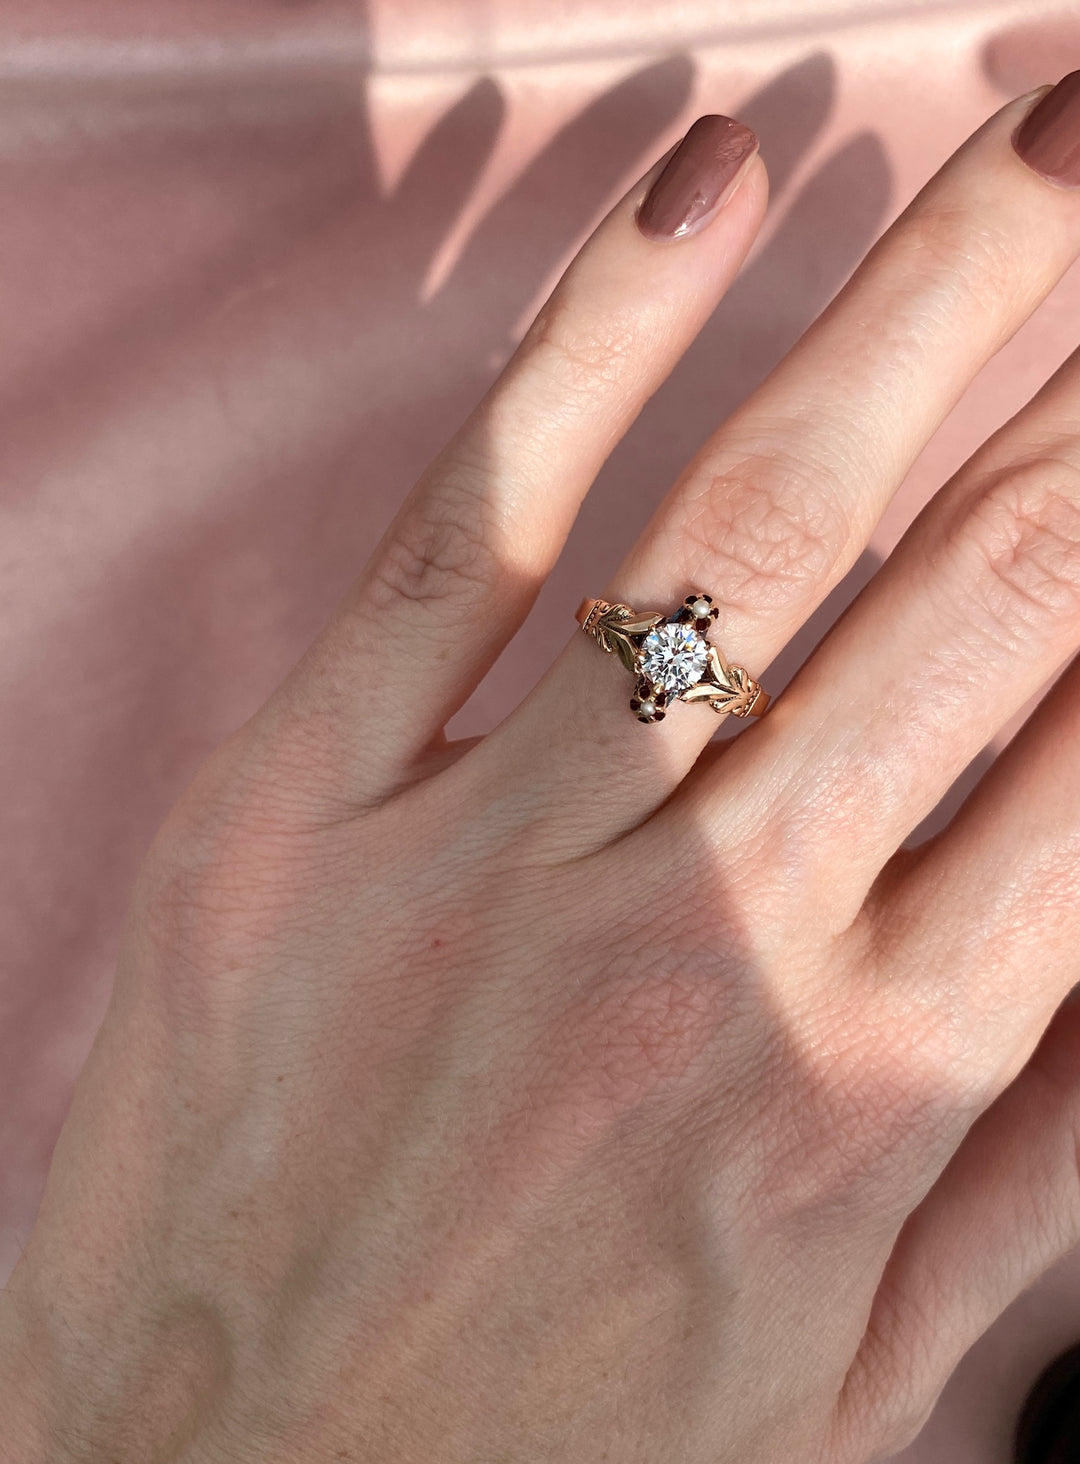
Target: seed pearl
[(700, 608), (647, 707)]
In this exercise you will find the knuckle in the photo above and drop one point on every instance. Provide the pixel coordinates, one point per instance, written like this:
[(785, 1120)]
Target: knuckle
[(926, 1062), (224, 878), (1024, 530), (902, 1422), (884, 1410), (1056, 1194), (767, 529), (579, 351), (902, 1425), (876, 1099), (198, 888), (443, 553)]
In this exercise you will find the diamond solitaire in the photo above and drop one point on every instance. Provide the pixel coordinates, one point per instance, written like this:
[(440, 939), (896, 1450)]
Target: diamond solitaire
[(674, 656)]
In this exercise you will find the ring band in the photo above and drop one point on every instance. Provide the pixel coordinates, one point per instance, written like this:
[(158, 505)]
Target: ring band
[(671, 658)]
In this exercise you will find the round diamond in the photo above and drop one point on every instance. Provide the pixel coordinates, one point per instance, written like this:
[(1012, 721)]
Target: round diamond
[(674, 656)]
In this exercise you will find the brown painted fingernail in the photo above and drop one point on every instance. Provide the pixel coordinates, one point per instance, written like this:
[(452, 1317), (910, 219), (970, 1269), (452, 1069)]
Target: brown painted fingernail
[(1048, 139), (701, 175)]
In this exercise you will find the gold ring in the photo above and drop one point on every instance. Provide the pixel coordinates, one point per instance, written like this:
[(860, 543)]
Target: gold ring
[(671, 658)]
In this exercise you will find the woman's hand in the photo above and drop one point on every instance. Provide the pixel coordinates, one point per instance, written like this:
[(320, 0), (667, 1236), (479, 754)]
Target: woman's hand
[(584, 1091)]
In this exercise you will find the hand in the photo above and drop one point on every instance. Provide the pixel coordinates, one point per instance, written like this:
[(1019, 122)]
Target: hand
[(586, 1091)]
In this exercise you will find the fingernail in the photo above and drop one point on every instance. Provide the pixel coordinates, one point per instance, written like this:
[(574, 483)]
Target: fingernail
[(1048, 139), (701, 175)]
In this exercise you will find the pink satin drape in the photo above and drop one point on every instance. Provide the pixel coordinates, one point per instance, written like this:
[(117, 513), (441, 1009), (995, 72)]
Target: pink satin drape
[(257, 258)]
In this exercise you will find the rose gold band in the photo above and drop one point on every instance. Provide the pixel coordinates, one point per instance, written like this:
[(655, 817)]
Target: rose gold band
[(671, 658)]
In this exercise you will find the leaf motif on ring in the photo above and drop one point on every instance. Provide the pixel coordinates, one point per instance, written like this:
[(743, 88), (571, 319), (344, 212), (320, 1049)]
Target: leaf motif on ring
[(615, 627), (737, 694), (727, 689), (626, 652)]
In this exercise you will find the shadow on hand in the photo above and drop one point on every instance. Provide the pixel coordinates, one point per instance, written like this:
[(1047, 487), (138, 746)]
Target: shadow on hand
[(820, 226), (220, 380)]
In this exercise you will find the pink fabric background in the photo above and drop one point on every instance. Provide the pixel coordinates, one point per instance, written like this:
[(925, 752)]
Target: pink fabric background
[(257, 257)]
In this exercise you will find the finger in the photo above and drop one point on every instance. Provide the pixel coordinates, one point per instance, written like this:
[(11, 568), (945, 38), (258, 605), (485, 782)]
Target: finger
[(1005, 1208), (997, 892), (974, 610), (458, 568), (622, 124), (779, 504)]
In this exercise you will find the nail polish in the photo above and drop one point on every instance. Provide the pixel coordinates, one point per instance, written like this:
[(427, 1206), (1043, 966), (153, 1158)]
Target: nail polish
[(1048, 139), (698, 179)]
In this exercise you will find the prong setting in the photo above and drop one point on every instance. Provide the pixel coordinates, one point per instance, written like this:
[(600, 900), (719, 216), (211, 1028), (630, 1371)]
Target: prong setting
[(649, 702)]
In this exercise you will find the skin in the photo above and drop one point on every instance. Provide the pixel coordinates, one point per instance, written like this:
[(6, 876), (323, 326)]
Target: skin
[(589, 1091)]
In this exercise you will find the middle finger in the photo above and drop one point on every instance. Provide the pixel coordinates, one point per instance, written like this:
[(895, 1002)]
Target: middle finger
[(776, 507)]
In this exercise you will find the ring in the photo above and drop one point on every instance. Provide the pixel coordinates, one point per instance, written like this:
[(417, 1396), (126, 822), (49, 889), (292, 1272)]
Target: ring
[(671, 658)]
